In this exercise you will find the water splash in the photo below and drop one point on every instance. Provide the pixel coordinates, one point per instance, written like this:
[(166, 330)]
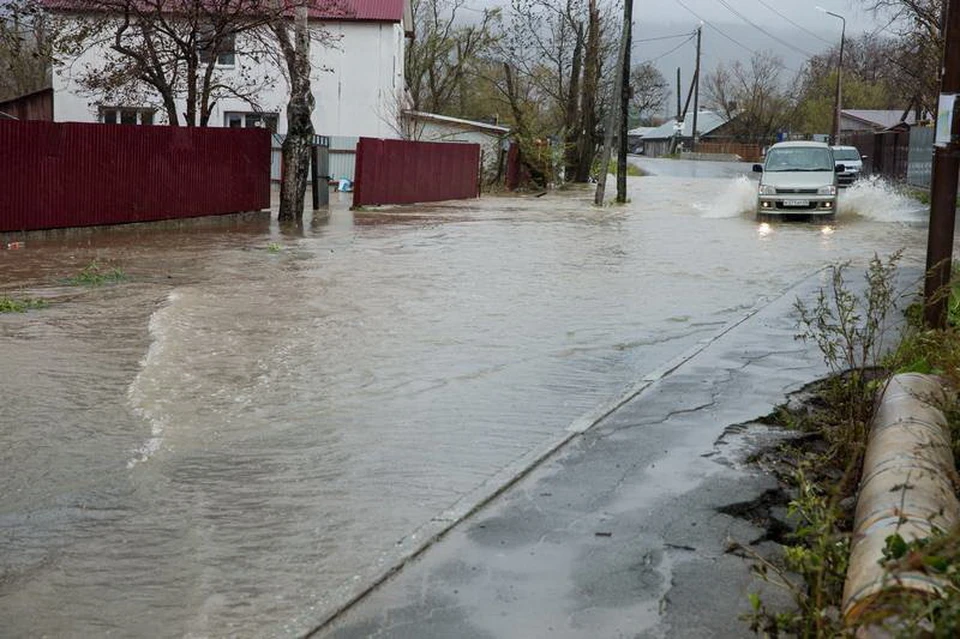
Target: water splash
[(737, 197), (144, 390), (875, 198)]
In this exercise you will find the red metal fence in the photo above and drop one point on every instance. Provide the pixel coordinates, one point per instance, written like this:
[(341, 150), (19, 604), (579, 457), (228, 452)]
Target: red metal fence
[(55, 175), (404, 172)]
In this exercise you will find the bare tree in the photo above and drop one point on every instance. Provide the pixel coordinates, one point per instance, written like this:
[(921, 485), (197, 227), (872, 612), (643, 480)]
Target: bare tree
[(752, 97), (29, 37), (299, 139), (648, 91), (155, 53), (442, 59), (916, 61)]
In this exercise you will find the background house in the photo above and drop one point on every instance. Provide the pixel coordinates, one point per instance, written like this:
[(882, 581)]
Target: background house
[(433, 127), (358, 80), (873, 120), (659, 141), (635, 137)]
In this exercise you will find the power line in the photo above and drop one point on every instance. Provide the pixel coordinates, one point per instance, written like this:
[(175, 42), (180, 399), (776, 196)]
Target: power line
[(762, 30), (802, 28), (682, 35), (731, 39), (663, 55)]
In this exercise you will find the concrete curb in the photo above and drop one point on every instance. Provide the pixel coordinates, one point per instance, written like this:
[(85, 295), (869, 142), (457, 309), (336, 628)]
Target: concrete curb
[(907, 487)]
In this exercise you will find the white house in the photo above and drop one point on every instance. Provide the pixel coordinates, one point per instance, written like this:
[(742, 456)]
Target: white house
[(358, 80)]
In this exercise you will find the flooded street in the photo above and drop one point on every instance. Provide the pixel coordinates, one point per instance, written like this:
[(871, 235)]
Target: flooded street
[(255, 425)]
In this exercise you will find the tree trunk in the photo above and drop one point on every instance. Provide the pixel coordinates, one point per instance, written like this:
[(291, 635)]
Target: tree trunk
[(296, 146), (571, 123), (586, 147)]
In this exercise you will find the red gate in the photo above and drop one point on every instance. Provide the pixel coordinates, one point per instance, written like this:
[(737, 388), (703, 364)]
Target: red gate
[(56, 175), (404, 172)]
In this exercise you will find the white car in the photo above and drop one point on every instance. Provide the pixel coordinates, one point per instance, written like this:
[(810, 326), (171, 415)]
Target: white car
[(852, 161), (798, 178)]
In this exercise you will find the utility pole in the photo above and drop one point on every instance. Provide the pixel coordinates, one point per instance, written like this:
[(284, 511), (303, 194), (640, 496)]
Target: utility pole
[(611, 118), (943, 188), (624, 102), (678, 94), (696, 94), (835, 134)]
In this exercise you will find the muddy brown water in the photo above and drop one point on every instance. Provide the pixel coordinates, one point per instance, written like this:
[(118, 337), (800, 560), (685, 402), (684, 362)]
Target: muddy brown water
[(240, 436)]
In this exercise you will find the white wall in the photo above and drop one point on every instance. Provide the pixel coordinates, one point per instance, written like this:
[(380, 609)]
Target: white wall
[(356, 83)]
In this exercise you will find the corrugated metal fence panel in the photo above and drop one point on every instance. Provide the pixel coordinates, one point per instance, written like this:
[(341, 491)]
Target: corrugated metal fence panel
[(404, 172), (343, 153), (56, 175), (920, 163)]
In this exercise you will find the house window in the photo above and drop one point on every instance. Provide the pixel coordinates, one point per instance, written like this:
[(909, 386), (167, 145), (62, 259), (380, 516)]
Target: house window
[(223, 51), (126, 115), (250, 120)]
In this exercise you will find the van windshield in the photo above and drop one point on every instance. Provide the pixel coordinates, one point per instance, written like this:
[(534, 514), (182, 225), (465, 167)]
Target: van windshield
[(799, 158), (846, 154)]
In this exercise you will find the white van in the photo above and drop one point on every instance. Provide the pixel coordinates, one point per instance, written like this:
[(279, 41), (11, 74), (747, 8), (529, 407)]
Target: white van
[(798, 178), (852, 161)]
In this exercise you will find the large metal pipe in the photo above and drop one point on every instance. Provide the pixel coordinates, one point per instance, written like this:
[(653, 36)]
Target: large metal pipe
[(907, 488)]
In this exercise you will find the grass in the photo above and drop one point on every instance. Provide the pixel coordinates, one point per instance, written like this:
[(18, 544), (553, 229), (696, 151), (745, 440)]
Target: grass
[(632, 171), (821, 471), (274, 247), (19, 304), (923, 195), (96, 274)]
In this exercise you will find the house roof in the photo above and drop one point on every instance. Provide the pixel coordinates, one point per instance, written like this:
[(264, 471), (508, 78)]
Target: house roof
[(642, 131), (880, 118), (707, 121), (360, 10), (329, 10), (466, 124)]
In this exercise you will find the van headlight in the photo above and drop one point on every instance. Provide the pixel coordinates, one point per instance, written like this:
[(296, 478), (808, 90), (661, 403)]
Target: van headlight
[(767, 189), (827, 190)]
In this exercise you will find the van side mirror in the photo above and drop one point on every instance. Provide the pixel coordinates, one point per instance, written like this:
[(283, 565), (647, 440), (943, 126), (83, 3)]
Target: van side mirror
[(758, 168), (839, 168)]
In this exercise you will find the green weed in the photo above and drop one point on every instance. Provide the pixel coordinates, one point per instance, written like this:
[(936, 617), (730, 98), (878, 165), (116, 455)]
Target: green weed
[(19, 305), (96, 274), (274, 247)]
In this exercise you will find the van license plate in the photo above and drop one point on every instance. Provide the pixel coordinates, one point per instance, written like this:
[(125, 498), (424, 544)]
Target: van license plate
[(796, 202)]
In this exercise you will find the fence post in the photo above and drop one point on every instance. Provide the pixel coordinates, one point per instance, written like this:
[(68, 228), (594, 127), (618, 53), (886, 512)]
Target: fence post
[(323, 163), (314, 176)]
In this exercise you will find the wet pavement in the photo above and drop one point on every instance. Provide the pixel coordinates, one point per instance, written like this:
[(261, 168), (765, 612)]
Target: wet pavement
[(624, 532), (258, 423)]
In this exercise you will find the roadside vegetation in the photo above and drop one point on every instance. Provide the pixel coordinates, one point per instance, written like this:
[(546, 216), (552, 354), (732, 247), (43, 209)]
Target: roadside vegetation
[(10, 304), (97, 274), (820, 468)]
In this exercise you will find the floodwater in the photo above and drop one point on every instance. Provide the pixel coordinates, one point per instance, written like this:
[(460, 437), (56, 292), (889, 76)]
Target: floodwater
[(255, 424)]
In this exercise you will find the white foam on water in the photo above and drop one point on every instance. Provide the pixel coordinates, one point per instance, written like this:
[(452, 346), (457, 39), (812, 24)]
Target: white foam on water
[(875, 198), (737, 197), (145, 391)]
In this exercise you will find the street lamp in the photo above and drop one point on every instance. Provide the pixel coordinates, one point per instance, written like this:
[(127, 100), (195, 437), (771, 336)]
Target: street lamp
[(835, 137)]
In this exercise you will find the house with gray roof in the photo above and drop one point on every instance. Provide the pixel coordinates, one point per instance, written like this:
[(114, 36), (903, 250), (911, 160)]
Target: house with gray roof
[(660, 140), (874, 120)]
